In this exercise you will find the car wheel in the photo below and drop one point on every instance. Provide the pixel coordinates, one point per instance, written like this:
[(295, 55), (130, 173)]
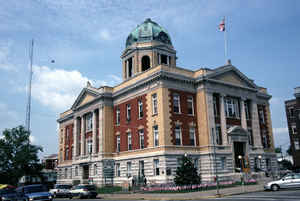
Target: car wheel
[(275, 187), (81, 196)]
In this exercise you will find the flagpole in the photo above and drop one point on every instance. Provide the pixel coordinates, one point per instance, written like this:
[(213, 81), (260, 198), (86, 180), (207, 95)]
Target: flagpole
[(225, 40)]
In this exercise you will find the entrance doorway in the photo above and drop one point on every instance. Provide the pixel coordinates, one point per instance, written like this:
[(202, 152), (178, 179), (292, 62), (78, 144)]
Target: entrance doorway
[(85, 171), (239, 154)]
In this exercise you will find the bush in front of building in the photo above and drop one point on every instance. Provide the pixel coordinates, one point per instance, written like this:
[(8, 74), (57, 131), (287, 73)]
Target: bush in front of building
[(109, 189)]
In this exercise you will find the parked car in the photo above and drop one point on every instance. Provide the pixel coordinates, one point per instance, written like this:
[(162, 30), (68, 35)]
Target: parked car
[(8, 194), (61, 190), (83, 191), (291, 180), (36, 192)]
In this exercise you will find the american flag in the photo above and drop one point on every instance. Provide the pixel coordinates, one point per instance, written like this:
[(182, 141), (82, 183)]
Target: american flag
[(222, 25)]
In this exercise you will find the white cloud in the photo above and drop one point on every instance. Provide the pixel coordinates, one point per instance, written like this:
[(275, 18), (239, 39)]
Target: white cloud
[(116, 78), (32, 139), (58, 88), (105, 35), (280, 130), (5, 60)]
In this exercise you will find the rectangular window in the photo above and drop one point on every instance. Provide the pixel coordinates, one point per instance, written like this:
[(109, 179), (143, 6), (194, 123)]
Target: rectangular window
[(223, 163), (265, 139), (128, 169), (128, 113), (156, 167), (232, 107), (155, 134), (89, 122), (67, 154), (291, 111), (247, 112), (141, 134), (67, 135), (177, 135), (141, 168), (192, 136), (294, 129), (164, 59), (154, 103), (218, 135), (190, 104), (296, 144), (118, 171), (216, 113), (118, 117), (89, 146), (118, 143), (250, 137), (261, 116), (140, 106), (129, 141), (176, 103)]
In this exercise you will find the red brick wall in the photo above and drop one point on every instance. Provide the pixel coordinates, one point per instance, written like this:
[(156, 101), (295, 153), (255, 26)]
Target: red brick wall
[(69, 142), (183, 117), (133, 124)]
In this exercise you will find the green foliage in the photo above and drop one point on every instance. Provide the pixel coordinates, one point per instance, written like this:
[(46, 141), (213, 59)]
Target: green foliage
[(109, 189), (186, 173), (18, 156), (278, 150), (285, 164)]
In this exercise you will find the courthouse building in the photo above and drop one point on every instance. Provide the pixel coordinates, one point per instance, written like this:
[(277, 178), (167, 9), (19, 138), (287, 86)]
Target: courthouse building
[(292, 108), (142, 127)]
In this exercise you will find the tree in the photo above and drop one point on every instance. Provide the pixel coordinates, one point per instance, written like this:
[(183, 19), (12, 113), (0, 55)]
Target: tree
[(278, 150), (18, 156), (285, 164), (186, 173)]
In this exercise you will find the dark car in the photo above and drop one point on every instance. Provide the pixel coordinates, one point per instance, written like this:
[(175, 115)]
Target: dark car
[(36, 192), (8, 194)]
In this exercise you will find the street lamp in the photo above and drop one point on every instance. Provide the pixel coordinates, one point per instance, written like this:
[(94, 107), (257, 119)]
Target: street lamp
[(259, 157)]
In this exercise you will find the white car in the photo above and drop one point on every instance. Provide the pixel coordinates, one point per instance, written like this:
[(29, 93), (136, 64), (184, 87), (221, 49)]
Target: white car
[(83, 191), (291, 180), (61, 190)]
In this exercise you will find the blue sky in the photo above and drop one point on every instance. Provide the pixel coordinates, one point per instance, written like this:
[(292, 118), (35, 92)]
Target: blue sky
[(87, 37)]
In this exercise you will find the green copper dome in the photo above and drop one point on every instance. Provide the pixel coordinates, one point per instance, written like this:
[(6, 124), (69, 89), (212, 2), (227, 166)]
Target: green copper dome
[(148, 31)]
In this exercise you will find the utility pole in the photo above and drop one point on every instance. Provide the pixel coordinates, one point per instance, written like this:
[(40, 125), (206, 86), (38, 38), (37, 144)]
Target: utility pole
[(28, 107)]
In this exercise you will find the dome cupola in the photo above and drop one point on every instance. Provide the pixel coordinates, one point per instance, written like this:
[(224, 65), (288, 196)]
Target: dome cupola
[(148, 31)]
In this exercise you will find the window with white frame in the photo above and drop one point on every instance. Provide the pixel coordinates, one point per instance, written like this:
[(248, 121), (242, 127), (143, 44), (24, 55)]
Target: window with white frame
[(89, 146), (178, 135), (118, 171), (89, 122), (118, 143), (176, 103), (231, 107), (128, 112), (118, 116), (67, 134), (129, 141), (141, 168), (155, 134), (154, 103), (247, 111), (128, 169), (223, 163), (296, 144), (95, 169), (294, 129), (190, 105), (141, 136), (140, 107), (192, 136), (67, 154), (156, 167)]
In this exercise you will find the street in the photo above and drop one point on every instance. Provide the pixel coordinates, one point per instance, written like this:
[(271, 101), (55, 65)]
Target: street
[(282, 195)]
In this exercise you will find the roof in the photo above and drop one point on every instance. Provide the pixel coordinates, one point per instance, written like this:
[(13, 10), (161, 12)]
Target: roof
[(148, 31)]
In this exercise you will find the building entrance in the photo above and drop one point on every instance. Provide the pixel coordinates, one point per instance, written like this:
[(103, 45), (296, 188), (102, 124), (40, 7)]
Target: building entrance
[(239, 154), (85, 169)]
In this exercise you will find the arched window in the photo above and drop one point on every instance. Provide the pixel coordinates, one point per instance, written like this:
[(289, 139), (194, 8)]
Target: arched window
[(76, 171), (145, 63), (95, 169)]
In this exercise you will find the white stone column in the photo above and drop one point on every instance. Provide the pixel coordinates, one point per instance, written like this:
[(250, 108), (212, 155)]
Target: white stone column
[(223, 120), (211, 116), (94, 132), (75, 138), (101, 119), (243, 114), (82, 153), (255, 125)]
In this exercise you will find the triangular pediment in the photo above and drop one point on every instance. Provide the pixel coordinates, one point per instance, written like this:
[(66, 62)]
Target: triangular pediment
[(237, 130), (232, 75), (85, 96)]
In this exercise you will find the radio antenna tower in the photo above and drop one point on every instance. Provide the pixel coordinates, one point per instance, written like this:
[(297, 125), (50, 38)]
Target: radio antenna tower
[(28, 107)]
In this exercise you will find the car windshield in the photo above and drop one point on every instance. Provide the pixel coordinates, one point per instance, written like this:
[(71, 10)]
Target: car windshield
[(7, 191), (35, 189), (63, 186)]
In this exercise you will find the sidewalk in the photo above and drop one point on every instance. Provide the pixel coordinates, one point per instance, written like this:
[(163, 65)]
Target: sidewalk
[(185, 196)]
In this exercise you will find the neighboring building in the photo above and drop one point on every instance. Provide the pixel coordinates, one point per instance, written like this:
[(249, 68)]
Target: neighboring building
[(50, 162), (143, 126), (292, 108)]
